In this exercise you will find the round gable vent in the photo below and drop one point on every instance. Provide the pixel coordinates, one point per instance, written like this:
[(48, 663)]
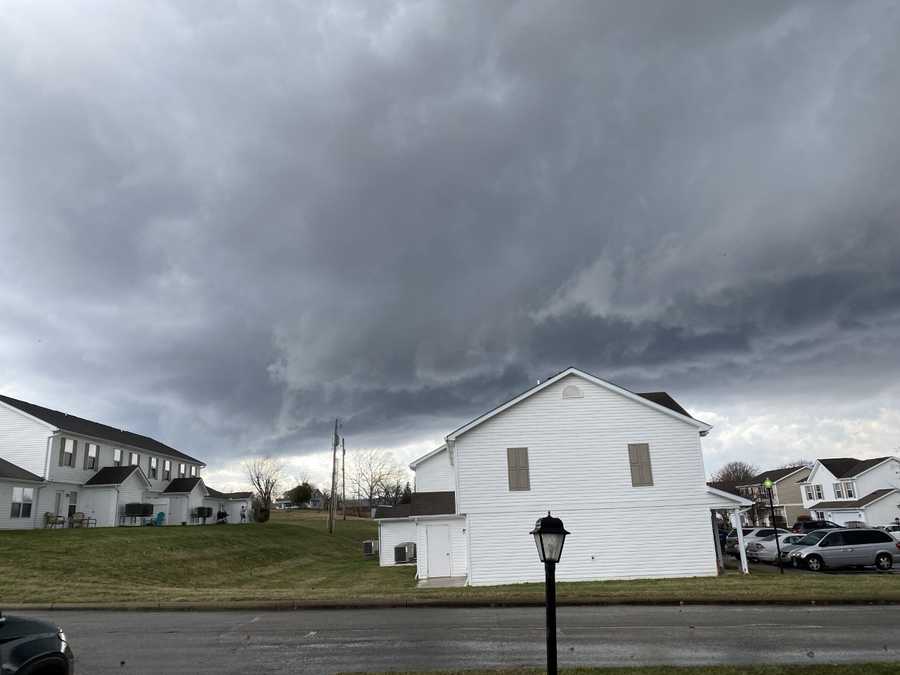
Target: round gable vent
[(571, 391)]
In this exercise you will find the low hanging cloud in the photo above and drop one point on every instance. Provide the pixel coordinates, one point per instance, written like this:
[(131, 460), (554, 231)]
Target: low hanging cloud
[(225, 225)]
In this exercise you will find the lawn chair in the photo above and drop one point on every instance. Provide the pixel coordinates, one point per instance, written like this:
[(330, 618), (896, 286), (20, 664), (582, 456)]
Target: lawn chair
[(52, 520), (159, 520), (81, 520)]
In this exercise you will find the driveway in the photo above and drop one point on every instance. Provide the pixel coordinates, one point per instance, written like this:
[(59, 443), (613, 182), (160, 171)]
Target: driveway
[(328, 641)]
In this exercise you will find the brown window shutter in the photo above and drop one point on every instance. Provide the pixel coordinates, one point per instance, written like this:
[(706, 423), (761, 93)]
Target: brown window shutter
[(517, 467), (639, 461)]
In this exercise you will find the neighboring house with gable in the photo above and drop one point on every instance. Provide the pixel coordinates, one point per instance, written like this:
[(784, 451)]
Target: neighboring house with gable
[(611, 463), (854, 491), (787, 497), (54, 465)]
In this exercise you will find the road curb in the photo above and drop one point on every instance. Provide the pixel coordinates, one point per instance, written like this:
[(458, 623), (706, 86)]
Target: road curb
[(297, 605)]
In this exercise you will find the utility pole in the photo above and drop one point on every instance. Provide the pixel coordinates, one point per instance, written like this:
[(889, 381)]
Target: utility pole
[(332, 508), (343, 480)]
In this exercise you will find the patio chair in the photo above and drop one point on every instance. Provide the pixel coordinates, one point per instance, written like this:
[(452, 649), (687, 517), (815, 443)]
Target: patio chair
[(52, 520), (79, 520), (159, 520)]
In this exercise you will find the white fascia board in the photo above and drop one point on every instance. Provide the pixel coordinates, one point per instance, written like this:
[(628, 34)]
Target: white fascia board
[(413, 464), (31, 417), (739, 501), (702, 426)]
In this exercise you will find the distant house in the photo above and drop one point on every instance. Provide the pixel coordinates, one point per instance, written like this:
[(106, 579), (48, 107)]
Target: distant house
[(55, 468), (317, 500), (786, 497), (854, 491), (611, 463)]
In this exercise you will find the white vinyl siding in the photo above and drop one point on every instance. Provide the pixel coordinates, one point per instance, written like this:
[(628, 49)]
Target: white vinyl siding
[(24, 441), (580, 469), (390, 534), (18, 523), (435, 474)]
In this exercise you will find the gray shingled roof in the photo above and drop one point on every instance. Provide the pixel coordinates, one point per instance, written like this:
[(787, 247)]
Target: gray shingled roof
[(423, 504), (227, 495), (182, 484), (855, 504), (112, 475), (79, 425), (773, 475), (10, 470), (848, 467)]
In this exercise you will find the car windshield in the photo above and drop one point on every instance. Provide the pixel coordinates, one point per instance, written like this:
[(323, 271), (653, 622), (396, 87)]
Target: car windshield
[(812, 538)]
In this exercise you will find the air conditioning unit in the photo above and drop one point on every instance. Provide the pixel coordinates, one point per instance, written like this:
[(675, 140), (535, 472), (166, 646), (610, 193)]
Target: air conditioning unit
[(370, 547), (405, 552)]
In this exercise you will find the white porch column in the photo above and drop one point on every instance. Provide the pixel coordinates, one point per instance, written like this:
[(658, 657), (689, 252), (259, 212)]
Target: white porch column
[(736, 521), (720, 554)]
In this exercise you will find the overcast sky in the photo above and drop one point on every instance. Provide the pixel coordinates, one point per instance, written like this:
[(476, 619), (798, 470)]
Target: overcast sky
[(224, 224)]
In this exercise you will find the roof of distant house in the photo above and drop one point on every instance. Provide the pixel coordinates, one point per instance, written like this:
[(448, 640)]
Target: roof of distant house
[(856, 504), (227, 495), (422, 504), (79, 425), (774, 475), (183, 484), (848, 467), (10, 470), (730, 488), (112, 475)]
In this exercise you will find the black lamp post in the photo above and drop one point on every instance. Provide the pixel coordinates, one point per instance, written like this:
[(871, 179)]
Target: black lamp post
[(767, 483), (549, 536)]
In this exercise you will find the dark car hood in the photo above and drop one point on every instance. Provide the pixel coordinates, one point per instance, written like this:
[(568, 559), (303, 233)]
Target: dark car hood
[(14, 627)]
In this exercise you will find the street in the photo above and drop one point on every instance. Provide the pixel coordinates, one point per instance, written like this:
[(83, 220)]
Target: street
[(329, 641)]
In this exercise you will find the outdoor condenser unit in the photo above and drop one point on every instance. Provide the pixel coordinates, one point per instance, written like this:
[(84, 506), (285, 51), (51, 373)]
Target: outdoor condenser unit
[(370, 547), (405, 552)]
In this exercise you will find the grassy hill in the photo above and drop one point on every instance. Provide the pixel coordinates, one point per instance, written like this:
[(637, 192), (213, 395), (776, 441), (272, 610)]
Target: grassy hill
[(294, 559)]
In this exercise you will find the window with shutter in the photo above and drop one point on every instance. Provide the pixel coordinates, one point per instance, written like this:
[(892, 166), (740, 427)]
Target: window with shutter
[(639, 459), (517, 466)]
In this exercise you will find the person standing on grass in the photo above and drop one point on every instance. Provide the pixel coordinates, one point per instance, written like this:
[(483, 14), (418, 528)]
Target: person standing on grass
[(243, 513)]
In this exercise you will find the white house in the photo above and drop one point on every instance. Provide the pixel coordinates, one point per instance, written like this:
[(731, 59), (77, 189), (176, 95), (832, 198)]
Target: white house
[(613, 464), (55, 466), (846, 490)]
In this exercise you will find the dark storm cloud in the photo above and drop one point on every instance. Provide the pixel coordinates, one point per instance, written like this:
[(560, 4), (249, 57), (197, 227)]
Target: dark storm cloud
[(227, 224)]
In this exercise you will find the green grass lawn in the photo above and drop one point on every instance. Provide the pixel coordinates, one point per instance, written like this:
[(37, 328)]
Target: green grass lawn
[(293, 559), (843, 669)]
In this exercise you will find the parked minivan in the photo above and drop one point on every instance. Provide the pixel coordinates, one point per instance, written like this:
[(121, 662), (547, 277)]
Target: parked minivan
[(846, 548), (804, 526)]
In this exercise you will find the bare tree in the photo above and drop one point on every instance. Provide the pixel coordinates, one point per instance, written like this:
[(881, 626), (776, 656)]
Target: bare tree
[(265, 473), (371, 472), (802, 461), (735, 473)]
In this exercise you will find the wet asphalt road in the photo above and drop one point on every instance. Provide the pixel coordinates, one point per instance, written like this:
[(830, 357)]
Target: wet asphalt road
[(329, 641)]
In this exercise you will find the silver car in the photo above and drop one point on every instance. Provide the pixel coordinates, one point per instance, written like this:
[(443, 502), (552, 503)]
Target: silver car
[(766, 549), (750, 535), (846, 548)]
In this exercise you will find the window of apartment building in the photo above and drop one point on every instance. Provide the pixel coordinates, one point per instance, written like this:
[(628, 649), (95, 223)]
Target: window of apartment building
[(117, 457), (167, 470), (91, 456), (849, 490), (517, 468), (193, 471), (819, 493), (68, 448), (134, 459), (182, 470), (22, 499), (153, 468), (810, 495), (838, 491), (639, 460)]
